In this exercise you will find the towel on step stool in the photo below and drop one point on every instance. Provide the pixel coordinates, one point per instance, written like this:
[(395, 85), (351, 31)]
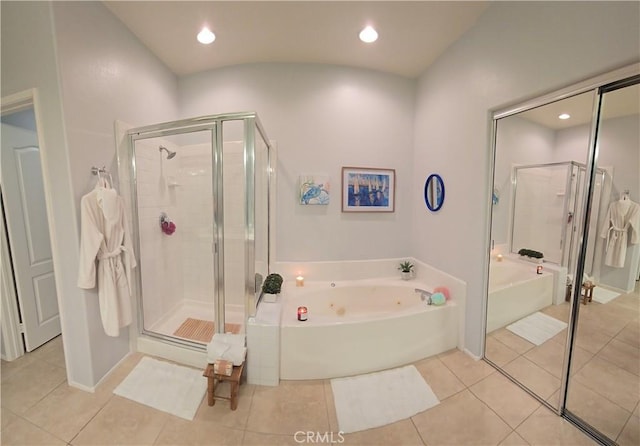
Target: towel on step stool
[(227, 346)]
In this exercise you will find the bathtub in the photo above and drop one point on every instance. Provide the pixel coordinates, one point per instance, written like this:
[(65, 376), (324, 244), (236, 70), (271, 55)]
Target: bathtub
[(516, 291), (356, 327)]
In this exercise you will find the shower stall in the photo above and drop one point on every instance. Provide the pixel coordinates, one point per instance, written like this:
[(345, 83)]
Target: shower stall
[(198, 190), (546, 200)]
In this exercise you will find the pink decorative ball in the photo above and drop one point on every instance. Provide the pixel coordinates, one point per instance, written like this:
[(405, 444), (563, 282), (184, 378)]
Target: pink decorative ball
[(444, 290)]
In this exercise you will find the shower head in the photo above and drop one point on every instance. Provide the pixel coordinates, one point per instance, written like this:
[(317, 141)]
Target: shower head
[(170, 154)]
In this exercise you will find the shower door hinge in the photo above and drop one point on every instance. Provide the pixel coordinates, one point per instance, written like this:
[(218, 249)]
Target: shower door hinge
[(214, 247), (20, 327)]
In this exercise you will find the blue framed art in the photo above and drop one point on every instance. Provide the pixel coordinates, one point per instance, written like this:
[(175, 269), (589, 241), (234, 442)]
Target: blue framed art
[(368, 189)]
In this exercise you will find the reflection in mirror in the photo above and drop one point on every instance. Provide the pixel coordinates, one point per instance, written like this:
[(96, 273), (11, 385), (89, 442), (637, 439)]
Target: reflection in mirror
[(604, 383), (434, 192), (539, 176)]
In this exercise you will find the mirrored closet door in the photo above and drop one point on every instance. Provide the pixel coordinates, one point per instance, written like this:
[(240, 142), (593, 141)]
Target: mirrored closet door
[(604, 380), (539, 175), (563, 309)]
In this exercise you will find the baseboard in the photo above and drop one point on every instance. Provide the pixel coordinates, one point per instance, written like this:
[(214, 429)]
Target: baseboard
[(477, 358), (106, 375), (82, 387)]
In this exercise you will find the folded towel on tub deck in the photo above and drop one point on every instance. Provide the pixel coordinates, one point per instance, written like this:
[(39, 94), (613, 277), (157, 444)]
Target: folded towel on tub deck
[(227, 346)]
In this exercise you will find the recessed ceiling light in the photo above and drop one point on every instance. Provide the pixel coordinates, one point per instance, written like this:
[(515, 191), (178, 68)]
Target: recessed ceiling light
[(564, 116), (206, 36), (368, 35)]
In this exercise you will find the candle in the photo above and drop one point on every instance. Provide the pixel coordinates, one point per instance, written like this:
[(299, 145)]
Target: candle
[(499, 257), (302, 313), (299, 281)]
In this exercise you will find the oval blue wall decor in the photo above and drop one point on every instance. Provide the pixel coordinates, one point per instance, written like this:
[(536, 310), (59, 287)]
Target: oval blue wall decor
[(434, 192)]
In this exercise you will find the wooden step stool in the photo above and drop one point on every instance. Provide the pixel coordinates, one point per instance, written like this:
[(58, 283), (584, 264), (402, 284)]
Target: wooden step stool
[(212, 380), (587, 292)]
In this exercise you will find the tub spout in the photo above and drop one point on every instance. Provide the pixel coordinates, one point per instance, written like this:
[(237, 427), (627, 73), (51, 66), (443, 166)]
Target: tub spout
[(424, 294)]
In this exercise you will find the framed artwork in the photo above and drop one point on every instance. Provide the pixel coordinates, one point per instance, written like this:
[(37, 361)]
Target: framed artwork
[(314, 189), (366, 189)]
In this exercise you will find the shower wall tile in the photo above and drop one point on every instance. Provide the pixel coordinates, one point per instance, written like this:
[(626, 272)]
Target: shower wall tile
[(196, 210), (181, 266), (159, 253), (196, 199)]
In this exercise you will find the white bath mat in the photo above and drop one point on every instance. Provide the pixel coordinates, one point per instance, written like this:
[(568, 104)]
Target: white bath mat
[(603, 295), (537, 328), (164, 386), (376, 399)]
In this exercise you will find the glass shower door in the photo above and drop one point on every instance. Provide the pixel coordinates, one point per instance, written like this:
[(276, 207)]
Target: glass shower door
[(199, 200), (539, 210), (174, 193)]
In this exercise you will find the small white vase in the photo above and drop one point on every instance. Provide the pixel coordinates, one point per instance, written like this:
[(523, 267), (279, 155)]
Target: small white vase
[(406, 275), (268, 297)]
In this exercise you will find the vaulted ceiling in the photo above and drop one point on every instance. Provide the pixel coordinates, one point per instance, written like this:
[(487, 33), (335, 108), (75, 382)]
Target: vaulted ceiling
[(411, 34)]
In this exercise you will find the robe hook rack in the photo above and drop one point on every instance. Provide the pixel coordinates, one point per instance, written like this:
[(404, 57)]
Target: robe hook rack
[(99, 170)]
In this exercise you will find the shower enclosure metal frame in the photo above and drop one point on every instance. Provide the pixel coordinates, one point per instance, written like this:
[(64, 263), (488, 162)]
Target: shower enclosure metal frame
[(566, 205), (212, 123)]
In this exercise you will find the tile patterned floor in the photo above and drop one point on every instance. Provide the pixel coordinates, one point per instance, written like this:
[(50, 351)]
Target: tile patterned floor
[(478, 407), (605, 389)]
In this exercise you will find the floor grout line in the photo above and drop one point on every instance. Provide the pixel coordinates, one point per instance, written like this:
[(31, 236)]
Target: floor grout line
[(450, 369)]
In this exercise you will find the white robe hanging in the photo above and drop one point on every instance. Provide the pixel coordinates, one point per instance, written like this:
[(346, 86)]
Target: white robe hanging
[(623, 217), (106, 252)]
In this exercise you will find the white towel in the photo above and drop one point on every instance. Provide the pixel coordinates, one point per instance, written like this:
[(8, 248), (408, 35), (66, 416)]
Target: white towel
[(235, 354), (230, 338), (215, 350), (226, 346)]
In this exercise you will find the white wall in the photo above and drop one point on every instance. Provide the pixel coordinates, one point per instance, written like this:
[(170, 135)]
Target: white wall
[(517, 50), (31, 63), (322, 117), (106, 74)]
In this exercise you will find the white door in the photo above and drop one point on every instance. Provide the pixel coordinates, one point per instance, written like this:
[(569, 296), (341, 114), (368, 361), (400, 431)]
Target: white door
[(28, 231)]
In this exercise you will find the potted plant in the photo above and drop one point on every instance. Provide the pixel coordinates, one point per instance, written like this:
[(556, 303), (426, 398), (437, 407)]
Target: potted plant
[(271, 287), (406, 270)]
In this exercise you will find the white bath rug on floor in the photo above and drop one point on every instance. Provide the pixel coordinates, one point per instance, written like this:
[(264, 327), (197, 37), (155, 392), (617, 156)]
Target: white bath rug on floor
[(537, 328), (376, 399), (603, 295), (164, 386)]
